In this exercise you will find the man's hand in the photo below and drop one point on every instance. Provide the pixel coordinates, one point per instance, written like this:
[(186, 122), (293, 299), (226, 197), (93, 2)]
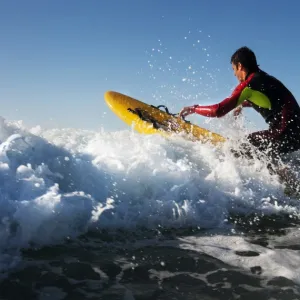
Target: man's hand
[(237, 111), (188, 110)]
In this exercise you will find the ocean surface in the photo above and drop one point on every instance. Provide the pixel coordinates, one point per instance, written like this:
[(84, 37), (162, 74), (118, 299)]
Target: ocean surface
[(119, 215)]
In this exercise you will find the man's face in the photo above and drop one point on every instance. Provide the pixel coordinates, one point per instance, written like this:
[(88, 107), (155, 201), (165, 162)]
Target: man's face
[(238, 72)]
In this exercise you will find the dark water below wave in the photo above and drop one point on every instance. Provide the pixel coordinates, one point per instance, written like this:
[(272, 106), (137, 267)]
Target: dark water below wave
[(150, 265)]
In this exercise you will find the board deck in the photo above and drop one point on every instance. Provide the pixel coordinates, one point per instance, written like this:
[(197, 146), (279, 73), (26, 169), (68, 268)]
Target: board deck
[(148, 119)]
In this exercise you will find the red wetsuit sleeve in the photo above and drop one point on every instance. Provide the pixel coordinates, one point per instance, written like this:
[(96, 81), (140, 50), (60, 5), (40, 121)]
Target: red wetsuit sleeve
[(224, 107)]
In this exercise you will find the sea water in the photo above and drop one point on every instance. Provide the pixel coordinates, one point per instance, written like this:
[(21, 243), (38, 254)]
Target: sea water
[(128, 216)]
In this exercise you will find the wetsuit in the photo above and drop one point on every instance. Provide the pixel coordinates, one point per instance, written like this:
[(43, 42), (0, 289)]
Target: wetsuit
[(276, 104)]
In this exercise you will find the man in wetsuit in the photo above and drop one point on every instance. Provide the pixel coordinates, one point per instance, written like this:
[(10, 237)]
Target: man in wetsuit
[(268, 96)]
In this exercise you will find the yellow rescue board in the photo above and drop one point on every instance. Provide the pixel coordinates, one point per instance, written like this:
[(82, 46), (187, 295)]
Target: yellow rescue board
[(148, 119)]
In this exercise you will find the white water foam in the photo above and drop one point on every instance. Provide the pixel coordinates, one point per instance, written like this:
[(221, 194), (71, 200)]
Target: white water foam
[(273, 262), (60, 183)]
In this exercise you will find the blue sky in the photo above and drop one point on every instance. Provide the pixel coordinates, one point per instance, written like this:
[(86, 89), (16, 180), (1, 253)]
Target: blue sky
[(57, 58)]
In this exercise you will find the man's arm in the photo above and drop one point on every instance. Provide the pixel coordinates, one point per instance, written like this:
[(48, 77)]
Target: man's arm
[(222, 108)]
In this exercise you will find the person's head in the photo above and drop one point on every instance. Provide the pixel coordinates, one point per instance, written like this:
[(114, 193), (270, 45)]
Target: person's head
[(243, 62)]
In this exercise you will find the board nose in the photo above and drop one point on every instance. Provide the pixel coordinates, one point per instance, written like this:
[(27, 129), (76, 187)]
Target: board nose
[(108, 95)]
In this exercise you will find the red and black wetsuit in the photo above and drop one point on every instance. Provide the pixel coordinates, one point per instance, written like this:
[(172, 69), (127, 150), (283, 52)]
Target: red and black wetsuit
[(276, 104)]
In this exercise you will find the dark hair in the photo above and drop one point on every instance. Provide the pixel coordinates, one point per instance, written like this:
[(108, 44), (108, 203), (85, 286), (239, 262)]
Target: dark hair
[(246, 58)]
